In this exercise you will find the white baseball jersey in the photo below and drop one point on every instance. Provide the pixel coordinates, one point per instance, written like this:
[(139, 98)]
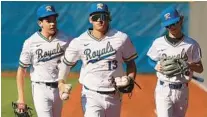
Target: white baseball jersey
[(102, 59), (187, 49), (43, 55)]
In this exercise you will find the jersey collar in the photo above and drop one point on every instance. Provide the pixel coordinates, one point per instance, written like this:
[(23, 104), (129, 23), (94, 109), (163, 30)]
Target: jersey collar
[(173, 42), (43, 37), (89, 33)]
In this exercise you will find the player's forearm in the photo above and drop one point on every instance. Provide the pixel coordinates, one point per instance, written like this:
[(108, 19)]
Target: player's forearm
[(131, 69), (196, 67), (63, 73), (20, 83)]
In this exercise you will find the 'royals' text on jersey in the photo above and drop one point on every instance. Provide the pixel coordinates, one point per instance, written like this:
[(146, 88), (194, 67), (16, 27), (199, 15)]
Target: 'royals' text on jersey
[(187, 49), (43, 55), (102, 59)]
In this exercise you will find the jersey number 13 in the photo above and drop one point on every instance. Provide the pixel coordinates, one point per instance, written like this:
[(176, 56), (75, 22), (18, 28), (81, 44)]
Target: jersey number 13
[(112, 64)]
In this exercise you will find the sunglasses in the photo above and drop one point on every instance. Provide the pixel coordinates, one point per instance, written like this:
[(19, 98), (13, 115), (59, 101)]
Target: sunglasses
[(169, 26), (102, 17)]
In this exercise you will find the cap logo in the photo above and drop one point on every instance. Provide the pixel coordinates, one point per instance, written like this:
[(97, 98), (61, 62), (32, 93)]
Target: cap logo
[(100, 6), (167, 16), (48, 8)]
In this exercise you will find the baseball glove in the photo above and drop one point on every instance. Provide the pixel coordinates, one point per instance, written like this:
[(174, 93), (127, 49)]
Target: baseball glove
[(21, 110), (174, 66), (124, 84), (128, 88)]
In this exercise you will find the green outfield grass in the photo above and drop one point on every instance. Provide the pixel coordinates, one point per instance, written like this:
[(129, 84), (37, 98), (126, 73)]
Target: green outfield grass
[(9, 94)]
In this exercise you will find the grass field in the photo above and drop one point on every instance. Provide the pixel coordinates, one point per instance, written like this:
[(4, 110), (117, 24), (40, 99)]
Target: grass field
[(9, 94)]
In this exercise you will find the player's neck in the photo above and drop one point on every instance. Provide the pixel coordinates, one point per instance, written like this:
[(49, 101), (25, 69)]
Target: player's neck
[(176, 36), (98, 34), (47, 35)]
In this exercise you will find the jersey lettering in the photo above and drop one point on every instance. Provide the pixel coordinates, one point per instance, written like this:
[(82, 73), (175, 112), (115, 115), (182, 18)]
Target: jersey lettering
[(97, 55), (182, 55), (48, 55)]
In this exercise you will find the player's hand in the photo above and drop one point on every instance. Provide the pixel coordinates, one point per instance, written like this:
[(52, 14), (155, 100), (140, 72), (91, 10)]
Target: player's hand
[(158, 67), (64, 88), (20, 106)]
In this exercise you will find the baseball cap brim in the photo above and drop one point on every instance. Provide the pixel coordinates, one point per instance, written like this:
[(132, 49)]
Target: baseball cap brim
[(99, 12), (48, 14), (169, 22)]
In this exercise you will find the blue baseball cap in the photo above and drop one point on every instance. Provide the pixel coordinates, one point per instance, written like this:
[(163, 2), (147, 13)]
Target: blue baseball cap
[(45, 11), (98, 7), (169, 16)]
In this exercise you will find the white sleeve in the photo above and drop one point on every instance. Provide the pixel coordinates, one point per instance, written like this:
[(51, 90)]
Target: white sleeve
[(69, 59), (63, 70), (129, 52), (153, 53), (25, 56), (196, 53), (71, 55)]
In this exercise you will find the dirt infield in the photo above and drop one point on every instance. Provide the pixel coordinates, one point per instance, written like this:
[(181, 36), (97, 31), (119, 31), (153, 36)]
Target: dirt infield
[(141, 103)]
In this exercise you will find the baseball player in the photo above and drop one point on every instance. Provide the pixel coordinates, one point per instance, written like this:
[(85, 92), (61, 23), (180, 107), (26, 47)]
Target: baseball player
[(42, 52), (102, 51), (180, 51)]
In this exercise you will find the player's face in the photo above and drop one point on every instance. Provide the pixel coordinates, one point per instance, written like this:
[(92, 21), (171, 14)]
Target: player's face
[(100, 21), (175, 28), (49, 25)]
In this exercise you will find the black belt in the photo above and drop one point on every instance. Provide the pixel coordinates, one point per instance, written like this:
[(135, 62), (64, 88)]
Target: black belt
[(51, 84), (174, 86), (101, 92)]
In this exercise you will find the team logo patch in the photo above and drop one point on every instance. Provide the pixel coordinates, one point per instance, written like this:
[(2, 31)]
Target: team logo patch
[(167, 16), (48, 8), (100, 6)]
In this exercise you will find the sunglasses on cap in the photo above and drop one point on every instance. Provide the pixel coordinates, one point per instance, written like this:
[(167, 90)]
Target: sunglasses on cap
[(101, 16), (169, 26)]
